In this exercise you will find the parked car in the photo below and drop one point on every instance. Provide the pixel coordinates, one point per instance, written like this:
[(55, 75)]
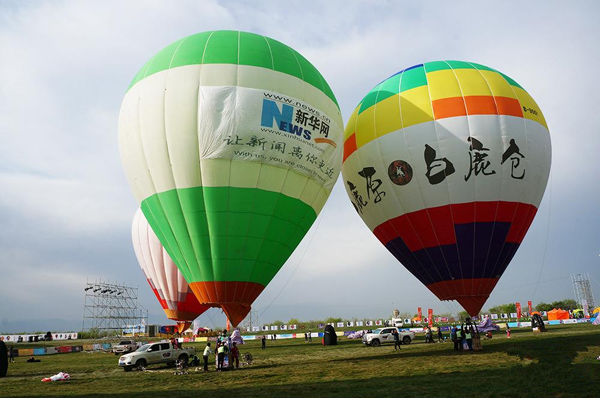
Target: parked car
[(161, 352), (124, 347), (384, 335)]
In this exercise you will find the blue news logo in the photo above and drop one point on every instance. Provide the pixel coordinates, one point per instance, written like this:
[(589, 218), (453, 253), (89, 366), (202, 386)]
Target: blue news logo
[(283, 119)]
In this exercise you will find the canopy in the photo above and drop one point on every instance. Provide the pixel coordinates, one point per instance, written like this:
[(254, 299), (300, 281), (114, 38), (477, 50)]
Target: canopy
[(557, 314)]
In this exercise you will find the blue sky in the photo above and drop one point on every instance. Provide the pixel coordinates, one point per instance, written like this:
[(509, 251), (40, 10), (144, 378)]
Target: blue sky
[(66, 208)]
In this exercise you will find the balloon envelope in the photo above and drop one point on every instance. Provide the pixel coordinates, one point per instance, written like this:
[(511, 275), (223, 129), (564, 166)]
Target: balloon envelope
[(165, 279), (231, 142), (447, 162)]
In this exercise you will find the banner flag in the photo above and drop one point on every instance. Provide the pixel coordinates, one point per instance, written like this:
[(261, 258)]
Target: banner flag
[(419, 313), (518, 305), (430, 317)]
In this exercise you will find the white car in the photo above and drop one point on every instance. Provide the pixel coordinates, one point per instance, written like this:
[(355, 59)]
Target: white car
[(148, 354), (125, 346), (384, 335)]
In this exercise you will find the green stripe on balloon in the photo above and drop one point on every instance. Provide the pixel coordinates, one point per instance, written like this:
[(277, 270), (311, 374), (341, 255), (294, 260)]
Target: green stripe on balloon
[(237, 48), (228, 233)]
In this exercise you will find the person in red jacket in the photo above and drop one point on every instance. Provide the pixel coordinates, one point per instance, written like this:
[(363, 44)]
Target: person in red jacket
[(235, 355)]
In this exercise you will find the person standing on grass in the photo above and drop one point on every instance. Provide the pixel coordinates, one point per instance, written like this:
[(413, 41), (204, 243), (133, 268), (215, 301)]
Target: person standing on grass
[(221, 351), (507, 331), (309, 336), (11, 354), (459, 339), (207, 352), (476, 340), (453, 337), (396, 339), (469, 337), (440, 335), (264, 342), (235, 356)]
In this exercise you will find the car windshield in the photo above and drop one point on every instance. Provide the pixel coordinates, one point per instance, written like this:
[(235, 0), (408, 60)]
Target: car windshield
[(125, 342), (377, 331), (144, 347)]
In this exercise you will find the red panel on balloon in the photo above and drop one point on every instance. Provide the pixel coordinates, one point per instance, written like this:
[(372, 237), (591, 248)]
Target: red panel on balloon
[(435, 226), (470, 293)]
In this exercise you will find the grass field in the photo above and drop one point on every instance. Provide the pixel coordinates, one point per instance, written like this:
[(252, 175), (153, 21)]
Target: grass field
[(559, 363)]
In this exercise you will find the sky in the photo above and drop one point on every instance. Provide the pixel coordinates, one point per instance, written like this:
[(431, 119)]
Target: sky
[(66, 208)]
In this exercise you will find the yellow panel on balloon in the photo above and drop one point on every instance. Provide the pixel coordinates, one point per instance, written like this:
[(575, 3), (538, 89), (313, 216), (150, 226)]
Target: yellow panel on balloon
[(415, 106), (472, 83), (365, 127), (498, 84), (387, 116), (530, 109), (443, 84), (351, 125)]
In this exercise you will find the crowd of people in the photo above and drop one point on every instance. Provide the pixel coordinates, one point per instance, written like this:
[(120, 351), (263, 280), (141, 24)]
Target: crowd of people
[(227, 353), (466, 338)]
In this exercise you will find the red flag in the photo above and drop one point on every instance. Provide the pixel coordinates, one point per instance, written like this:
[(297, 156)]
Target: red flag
[(419, 313), (518, 310), (529, 307), (430, 317)]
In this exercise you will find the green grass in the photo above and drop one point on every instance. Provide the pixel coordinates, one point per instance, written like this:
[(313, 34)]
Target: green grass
[(559, 363)]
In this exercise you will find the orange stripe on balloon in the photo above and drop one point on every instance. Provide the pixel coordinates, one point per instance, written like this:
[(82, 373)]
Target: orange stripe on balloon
[(449, 107), (233, 297), (481, 105), (325, 141), (349, 146), (509, 106), (476, 105)]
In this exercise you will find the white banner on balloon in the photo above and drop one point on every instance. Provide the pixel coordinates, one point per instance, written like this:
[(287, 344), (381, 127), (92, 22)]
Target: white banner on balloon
[(267, 127)]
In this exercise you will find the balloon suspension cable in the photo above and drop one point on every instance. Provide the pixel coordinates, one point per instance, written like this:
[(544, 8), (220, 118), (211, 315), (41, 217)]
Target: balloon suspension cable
[(212, 321), (546, 242), (595, 280), (318, 223)]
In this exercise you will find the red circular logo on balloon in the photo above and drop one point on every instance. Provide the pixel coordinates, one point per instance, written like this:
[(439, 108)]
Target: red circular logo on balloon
[(400, 172)]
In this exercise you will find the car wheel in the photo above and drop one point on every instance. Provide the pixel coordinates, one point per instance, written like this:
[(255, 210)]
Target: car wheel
[(127, 368), (375, 343), (141, 364), (406, 340), (183, 358)]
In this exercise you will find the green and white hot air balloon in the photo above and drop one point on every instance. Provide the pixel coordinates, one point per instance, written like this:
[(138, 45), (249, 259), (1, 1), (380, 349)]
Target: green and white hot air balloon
[(231, 142)]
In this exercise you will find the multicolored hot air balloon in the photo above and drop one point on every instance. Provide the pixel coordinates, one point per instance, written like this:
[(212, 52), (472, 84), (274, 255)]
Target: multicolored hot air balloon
[(167, 283), (447, 162), (232, 143)]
